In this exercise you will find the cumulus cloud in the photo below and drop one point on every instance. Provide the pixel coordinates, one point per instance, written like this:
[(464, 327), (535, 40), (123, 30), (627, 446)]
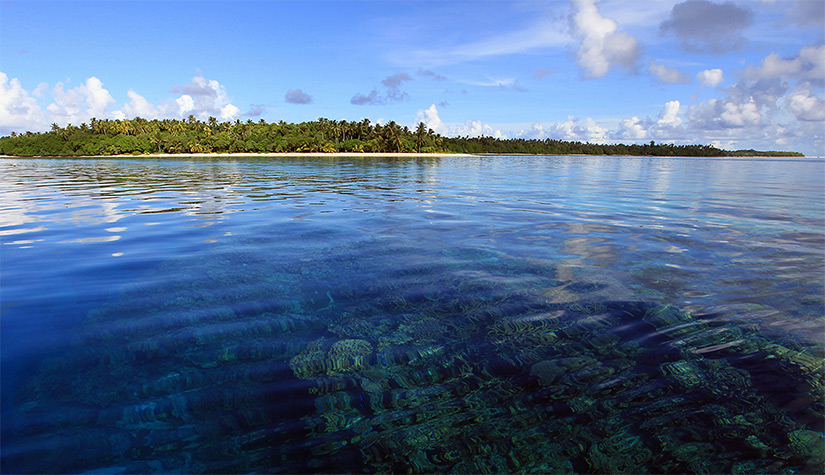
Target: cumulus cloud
[(668, 126), (470, 128), (432, 120), (41, 90), (602, 46), (670, 115), (809, 63), (229, 111), (297, 96), (724, 114), (201, 98), (138, 106), (667, 74), (80, 103), (476, 128), (631, 129), (710, 77), (393, 92), (19, 111), (706, 27), (806, 106), (97, 98), (571, 129)]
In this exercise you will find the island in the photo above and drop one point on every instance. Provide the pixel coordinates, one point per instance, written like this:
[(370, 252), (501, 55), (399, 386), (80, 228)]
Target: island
[(140, 136)]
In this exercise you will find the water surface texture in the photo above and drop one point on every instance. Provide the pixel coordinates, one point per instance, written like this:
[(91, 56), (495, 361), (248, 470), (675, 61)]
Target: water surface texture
[(443, 314)]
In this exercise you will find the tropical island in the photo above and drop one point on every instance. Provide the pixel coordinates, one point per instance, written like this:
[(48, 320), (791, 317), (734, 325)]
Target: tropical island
[(140, 136)]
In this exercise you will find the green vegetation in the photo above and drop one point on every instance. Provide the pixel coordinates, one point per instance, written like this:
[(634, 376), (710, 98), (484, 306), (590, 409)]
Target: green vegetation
[(140, 136)]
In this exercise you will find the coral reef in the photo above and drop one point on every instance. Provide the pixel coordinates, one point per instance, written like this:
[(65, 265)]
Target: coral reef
[(473, 363)]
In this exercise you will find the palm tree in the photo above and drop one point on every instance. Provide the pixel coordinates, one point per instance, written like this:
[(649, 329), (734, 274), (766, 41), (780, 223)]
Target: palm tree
[(420, 135), (393, 136)]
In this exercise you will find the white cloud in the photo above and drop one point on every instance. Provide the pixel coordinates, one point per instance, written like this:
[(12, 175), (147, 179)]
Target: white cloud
[(710, 77), (470, 128), (41, 89), (19, 111), (809, 63), (431, 119), (602, 46), (667, 74), (201, 98), (740, 115), (724, 113), (229, 112), (631, 129), (669, 116), (97, 98), (594, 132), (571, 130), (806, 106), (185, 104), (80, 103), (475, 128), (66, 105), (138, 106)]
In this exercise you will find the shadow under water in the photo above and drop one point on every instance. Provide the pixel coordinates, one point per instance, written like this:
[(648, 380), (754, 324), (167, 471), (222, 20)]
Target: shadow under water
[(461, 360)]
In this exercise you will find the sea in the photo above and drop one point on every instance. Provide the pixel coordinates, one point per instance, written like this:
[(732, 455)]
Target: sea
[(437, 314)]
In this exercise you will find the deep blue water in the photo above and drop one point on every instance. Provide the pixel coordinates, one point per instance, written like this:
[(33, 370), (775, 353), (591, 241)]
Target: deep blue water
[(443, 314)]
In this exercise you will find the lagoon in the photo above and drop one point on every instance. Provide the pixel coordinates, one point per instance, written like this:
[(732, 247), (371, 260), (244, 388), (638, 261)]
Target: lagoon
[(491, 314)]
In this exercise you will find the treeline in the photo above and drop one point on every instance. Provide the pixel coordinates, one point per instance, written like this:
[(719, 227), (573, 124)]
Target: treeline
[(561, 147), (140, 136)]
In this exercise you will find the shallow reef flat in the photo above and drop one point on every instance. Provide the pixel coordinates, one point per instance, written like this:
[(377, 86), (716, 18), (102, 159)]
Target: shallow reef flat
[(451, 360)]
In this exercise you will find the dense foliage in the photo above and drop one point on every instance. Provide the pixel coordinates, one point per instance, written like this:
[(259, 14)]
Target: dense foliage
[(140, 136)]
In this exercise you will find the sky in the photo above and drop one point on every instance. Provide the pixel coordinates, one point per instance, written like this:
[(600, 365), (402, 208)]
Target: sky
[(733, 74)]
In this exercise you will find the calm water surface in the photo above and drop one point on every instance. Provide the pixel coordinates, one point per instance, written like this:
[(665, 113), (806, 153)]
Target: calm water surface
[(444, 314)]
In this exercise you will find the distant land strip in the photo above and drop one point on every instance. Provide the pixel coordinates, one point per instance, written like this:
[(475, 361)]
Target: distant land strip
[(136, 137)]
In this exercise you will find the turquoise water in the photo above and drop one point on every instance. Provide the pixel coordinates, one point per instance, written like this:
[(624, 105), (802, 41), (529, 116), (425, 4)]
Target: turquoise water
[(443, 314)]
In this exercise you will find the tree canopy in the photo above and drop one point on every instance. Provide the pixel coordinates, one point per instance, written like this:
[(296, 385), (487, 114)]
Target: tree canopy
[(140, 137)]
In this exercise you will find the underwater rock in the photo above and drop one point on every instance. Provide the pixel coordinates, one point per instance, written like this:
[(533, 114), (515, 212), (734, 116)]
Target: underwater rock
[(346, 356), (311, 362), (810, 445), (547, 371), (342, 356), (374, 380)]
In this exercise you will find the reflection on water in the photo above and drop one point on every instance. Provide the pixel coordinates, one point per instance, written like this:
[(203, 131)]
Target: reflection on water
[(494, 314)]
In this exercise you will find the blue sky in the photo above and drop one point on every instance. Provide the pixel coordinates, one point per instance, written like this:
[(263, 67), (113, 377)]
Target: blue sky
[(736, 74)]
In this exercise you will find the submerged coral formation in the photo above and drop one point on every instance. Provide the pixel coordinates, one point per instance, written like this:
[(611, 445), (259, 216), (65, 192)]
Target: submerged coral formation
[(466, 365)]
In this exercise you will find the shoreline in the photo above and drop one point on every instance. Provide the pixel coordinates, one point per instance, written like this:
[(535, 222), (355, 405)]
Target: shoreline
[(262, 155), (386, 155)]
